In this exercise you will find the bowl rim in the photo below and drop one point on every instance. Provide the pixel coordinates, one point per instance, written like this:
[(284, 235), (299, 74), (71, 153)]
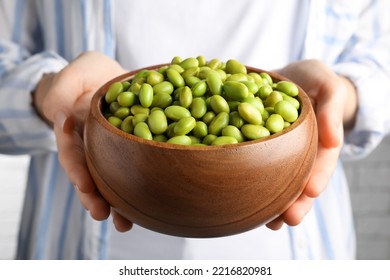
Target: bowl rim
[(98, 100)]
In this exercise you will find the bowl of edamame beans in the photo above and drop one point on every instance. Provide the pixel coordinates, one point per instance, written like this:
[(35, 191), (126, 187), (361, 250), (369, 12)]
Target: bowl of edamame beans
[(200, 148)]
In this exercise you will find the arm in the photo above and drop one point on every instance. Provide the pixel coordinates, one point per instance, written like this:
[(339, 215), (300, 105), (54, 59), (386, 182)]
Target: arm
[(335, 103), (63, 99), (350, 96), (21, 129)]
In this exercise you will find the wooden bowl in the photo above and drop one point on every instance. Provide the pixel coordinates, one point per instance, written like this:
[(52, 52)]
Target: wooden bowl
[(197, 191)]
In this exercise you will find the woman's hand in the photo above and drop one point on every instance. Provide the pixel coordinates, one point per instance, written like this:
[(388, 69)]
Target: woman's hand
[(63, 100), (335, 103)]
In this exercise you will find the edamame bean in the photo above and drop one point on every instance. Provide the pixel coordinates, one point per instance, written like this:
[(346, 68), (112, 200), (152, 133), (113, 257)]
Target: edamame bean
[(233, 131), (253, 131), (285, 109), (161, 100), (175, 112), (141, 129), (180, 140), (200, 130), (235, 90), (157, 122), (127, 98), (198, 107), (185, 96), (249, 113), (122, 112), (214, 82), (208, 117), (175, 78), (184, 126), (219, 104), (199, 102), (275, 123), (163, 87), (127, 124), (113, 92), (199, 89), (224, 140), (287, 87), (115, 121), (273, 98), (220, 121), (236, 120), (189, 62), (146, 95), (154, 78), (233, 66), (209, 138)]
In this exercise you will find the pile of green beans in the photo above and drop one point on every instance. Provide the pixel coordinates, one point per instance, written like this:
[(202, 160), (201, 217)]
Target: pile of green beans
[(197, 102)]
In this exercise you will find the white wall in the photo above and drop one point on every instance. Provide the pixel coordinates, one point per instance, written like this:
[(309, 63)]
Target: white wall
[(12, 185)]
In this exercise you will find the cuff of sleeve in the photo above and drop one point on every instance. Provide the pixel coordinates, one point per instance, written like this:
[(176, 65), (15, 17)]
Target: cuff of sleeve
[(373, 94), (29, 133)]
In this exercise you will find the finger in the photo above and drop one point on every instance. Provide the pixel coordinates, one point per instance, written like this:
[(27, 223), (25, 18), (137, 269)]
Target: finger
[(297, 211), (329, 112), (275, 224), (95, 204), (323, 168), (120, 222), (71, 154)]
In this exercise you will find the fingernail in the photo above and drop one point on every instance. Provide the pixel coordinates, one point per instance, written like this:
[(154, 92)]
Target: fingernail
[(60, 119), (63, 122)]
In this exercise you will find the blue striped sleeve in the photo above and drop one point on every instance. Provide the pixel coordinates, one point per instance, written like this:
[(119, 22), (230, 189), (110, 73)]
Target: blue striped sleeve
[(366, 62), (21, 129)]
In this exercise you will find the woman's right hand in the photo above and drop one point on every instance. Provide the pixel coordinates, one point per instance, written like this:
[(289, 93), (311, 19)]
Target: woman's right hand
[(63, 100)]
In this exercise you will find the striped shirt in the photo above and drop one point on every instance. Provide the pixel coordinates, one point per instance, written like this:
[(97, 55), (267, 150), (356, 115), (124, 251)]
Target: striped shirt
[(40, 36)]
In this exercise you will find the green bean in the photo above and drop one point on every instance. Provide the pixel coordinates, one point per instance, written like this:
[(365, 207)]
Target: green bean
[(163, 87), (220, 121), (184, 126), (253, 131), (154, 78), (233, 131), (113, 92), (219, 104), (287, 87), (286, 110), (224, 140), (127, 124), (146, 95), (190, 62), (235, 90), (175, 112), (233, 66), (141, 129), (199, 89), (127, 98), (275, 123), (249, 113), (122, 112), (175, 78), (214, 82), (115, 121), (198, 107), (200, 130), (161, 100), (185, 96), (209, 138), (157, 122), (180, 140), (192, 101)]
